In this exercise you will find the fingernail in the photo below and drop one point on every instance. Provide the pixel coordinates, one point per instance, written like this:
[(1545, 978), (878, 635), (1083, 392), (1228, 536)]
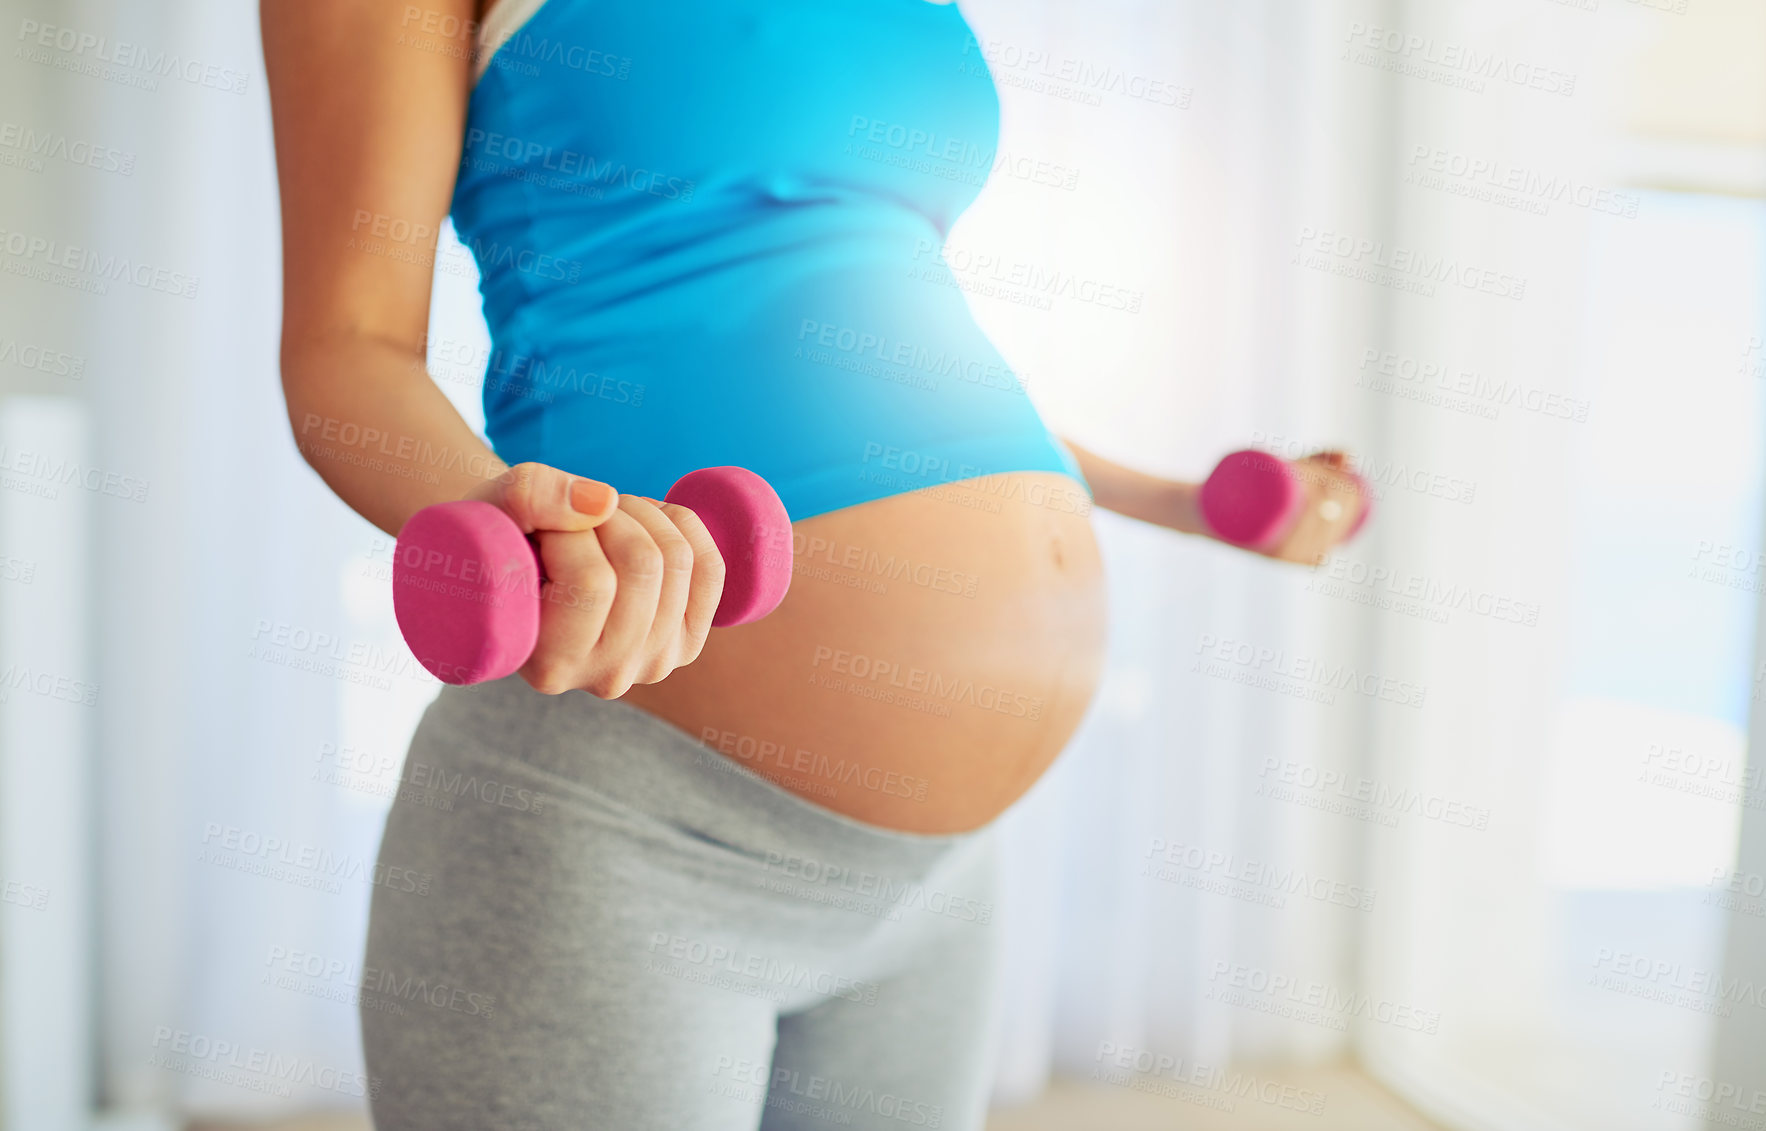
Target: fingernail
[(590, 497)]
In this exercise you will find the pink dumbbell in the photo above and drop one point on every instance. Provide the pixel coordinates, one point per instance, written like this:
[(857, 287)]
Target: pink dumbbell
[(467, 582), (1259, 501)]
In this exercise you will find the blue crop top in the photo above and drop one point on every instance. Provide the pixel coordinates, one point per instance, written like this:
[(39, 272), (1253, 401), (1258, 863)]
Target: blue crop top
[(709, 233)]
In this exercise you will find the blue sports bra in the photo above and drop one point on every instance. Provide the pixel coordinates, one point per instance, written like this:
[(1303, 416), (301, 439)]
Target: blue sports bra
[(709, 233)]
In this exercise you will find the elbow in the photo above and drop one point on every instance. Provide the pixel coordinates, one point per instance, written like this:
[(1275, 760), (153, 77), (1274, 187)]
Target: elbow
[(305, 422), (304, 426)]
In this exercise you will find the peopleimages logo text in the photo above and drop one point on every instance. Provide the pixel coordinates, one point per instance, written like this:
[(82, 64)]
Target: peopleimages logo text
[(1467, 62), (127, 56)]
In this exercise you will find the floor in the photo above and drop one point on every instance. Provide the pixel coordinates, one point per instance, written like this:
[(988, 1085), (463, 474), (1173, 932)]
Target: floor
[(1347, 1101)]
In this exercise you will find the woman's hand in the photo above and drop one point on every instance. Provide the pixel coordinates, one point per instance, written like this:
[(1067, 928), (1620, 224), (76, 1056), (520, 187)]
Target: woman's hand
[(631, 583), (1333, 504)]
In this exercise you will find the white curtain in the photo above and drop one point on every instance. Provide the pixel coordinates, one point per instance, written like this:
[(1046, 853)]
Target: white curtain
[(242, 652), (227, 636), (257, 699), (1594, 696), (1194, 202)]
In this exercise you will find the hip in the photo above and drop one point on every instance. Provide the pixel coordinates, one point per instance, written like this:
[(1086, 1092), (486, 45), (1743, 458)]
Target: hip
[(612, 911), (523, 805)]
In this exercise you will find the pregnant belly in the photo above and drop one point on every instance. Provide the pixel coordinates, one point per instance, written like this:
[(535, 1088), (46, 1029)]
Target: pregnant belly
[(933, 656)]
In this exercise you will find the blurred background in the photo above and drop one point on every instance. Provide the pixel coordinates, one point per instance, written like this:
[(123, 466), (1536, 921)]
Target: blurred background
[(1461, 830)]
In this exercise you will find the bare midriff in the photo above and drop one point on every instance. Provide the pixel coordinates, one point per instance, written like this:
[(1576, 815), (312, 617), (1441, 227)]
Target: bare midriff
[(934, 654)]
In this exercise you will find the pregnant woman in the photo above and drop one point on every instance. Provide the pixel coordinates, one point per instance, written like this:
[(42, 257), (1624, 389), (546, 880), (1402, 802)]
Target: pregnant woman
[(676, 878)]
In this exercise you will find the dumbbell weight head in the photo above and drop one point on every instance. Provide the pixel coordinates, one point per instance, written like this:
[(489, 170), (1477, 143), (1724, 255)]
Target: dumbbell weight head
[(466, 591), (752, 532)]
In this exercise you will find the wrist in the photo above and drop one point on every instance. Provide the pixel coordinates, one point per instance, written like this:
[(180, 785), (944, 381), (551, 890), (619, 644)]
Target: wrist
[(492, 478), (1180, 508)]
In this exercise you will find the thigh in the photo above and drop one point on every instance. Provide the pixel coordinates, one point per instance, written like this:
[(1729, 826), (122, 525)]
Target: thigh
[(525, 969), (920, 1054)]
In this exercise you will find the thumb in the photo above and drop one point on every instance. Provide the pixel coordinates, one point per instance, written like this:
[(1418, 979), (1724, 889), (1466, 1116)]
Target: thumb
[(539, 497)]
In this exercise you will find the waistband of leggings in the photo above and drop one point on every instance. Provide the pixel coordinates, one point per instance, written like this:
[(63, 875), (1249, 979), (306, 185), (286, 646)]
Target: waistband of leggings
[(650, 765)]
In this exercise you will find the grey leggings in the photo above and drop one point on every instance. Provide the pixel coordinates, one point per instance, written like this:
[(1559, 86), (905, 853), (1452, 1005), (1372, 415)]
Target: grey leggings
[(588, 920)]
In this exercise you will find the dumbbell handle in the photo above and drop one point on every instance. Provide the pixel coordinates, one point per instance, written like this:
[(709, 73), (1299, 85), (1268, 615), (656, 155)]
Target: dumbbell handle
[(467, 582)]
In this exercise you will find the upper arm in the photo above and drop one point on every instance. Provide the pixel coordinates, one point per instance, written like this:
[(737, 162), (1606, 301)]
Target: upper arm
[(368, 109)]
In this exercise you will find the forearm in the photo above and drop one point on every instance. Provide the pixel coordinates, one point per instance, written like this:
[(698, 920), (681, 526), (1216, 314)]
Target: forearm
[(369, 419), (1163, 502)]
